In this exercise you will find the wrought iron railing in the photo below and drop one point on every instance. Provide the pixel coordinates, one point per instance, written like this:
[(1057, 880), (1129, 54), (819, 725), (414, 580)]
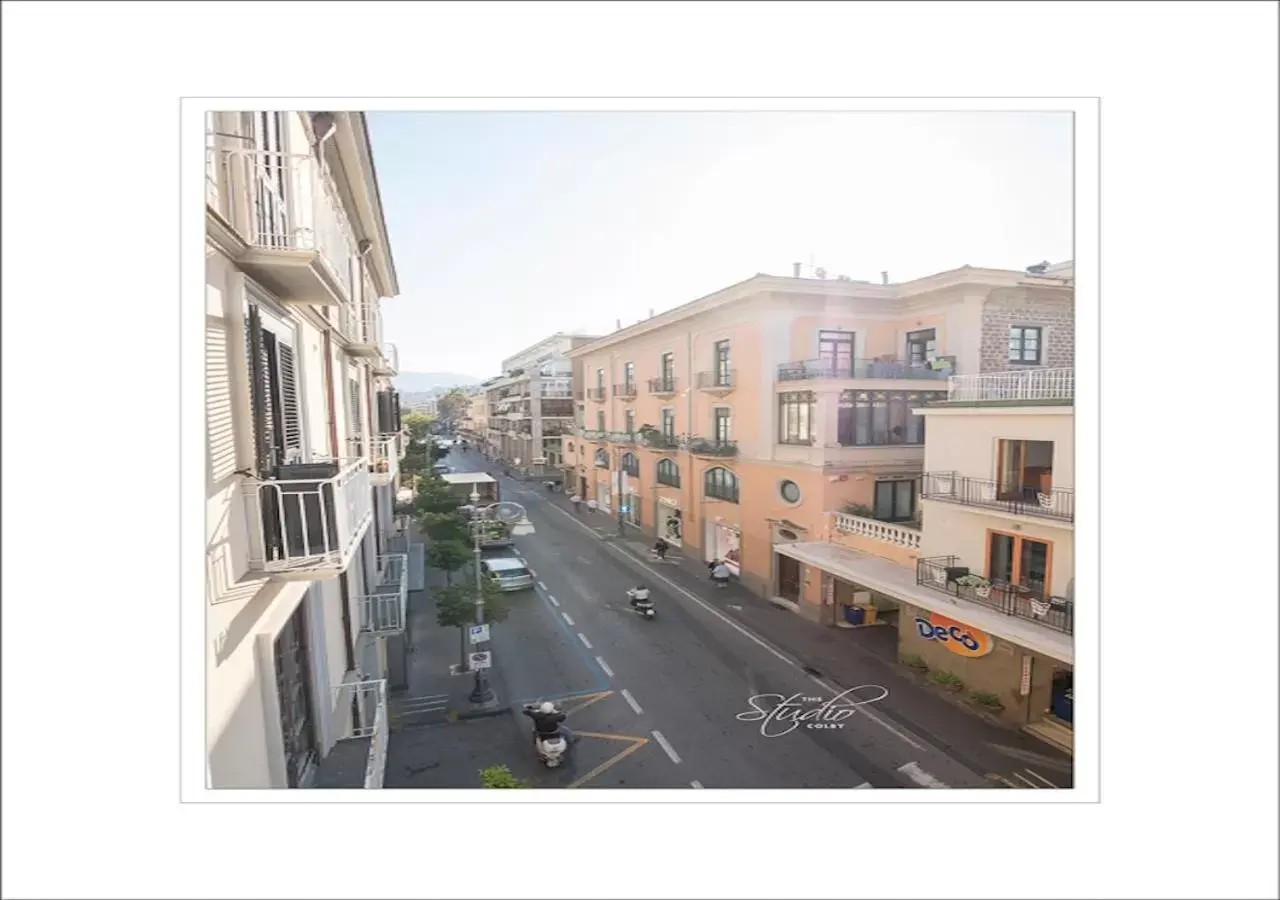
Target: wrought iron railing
[(808, 369), (597, 394), (1023, 601), (712, 447), (660, 440), (310, 519), (717, 378), (385, 609), (627, 391), (1025, 384), (662, 385), (1015, 498), (369, 699)]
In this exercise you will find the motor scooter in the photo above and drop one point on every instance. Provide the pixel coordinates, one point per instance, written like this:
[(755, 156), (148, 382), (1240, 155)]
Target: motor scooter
[(551, 749), (639, 602)]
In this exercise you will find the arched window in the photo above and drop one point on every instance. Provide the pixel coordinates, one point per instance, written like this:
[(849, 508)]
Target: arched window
[(602, 458), (631, 465), (668, 473), (721, 484)]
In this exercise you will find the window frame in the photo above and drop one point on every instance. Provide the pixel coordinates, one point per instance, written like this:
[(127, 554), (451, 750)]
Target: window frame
[(722, 415), (721, 363), (854, 428), (726, 487), (928, 346), (673, 479), (892, 486), (789, 403), (1021, 340)]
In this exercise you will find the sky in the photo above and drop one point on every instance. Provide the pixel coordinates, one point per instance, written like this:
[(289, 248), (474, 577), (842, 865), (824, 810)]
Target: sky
[(506, 227)]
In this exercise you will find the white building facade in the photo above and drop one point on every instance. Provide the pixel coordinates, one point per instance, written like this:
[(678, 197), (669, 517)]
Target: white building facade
[(306, 578)]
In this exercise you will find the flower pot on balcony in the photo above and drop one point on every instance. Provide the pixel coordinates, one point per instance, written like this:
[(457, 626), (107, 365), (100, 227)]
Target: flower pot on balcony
[(981, 586)]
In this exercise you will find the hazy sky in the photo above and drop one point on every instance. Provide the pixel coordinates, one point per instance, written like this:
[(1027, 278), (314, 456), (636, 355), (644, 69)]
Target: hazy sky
[(507, 227)]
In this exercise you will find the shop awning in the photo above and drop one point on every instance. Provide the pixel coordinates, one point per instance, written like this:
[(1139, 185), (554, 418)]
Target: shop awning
[(899, 582)]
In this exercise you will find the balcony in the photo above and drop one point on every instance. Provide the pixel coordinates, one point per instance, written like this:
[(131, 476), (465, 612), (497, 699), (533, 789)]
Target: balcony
[(286, 209), (625, 391), (359, 758), (659, 440), (595, 435), (719, 382), (361, 324), (849, 370), (383, 611), (1029, 386), (561, 393), (388, 361), (622, 437), (308, 522), (1014, 499), (888, 532), (699, 446), (596, 394), (664, 386), (944, 574), (383, 457)]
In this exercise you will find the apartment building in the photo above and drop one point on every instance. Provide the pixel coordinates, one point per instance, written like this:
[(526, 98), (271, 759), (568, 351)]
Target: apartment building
[(731, 425), (530, 407), (985, 590), (306, 578)]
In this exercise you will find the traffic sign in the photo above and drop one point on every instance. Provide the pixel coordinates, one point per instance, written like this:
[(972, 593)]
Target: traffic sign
[(481, 660), (624, 509), (479, 634)]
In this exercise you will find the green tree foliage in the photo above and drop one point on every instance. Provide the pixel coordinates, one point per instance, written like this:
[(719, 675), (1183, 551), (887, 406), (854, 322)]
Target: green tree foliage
[(444, 527), (500, 777), (456, 608), (417, 424), (453, 406), (448, 557)]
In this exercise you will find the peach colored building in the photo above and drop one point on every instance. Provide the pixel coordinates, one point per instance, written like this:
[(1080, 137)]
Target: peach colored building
[(731, 425)]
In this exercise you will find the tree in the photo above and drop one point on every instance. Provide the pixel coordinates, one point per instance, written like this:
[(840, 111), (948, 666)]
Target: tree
[(456, 608), (417, 424), (433, 495), (452, 406), (500, 777), (448, 557), (443, 527)]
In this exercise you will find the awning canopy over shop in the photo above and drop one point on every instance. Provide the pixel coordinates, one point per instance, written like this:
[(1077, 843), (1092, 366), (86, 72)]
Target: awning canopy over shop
[(899, 582)]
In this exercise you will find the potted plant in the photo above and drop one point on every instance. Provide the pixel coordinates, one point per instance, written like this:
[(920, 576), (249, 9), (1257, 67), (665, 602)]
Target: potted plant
[(500, 777), (980, 585), (987, 700), (947, 681)]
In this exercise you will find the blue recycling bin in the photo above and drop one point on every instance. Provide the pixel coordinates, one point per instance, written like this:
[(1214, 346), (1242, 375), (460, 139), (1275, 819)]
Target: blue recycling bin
[(855, 615)]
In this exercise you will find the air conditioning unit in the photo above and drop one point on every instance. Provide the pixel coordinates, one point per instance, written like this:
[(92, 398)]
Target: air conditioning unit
[(307, 509)]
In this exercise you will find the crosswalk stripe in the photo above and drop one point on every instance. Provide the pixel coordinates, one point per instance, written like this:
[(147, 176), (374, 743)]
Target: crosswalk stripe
[(1034, 774), (865, 784), (1026, 781), (913, 771)]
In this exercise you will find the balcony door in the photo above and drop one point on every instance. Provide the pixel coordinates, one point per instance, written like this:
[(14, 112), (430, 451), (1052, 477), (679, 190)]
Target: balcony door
[(835, 351), (1025, 469), (270, 180), (297, 707), (1018, 560)]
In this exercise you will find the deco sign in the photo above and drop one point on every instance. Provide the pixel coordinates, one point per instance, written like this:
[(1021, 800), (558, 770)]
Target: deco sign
[(955, 636)]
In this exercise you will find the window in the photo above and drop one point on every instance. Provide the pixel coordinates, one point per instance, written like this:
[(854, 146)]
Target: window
[(922, 346), (629, 377), (895, 501), (1024, 468), (273, 392), (835, 350), (668, 473), (878, 418), (602, 458), (789, 491), (669, 422), (600, 381), (631, 421), (668, 370), (1024, 345), (631, 465), (795, 418), (722, 425), (721, 484), (1015, 559), (722, 375), (600, 420)]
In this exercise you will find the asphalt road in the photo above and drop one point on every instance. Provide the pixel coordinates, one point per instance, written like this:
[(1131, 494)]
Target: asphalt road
[(658, 702)]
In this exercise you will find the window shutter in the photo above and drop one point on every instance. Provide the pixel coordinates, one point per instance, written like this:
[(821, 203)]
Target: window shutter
[(259, 393), (395, 408), (289, 402), (386, 413), (357, 420)]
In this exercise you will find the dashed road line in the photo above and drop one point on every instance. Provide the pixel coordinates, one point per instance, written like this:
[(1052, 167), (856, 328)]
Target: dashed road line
[(567, 618), (586, 643), (554, 601), (540, 584), (913, 771), (662, 742), (631, 701), (604, 665), (865, 784), (1028, 782), (1039, 777), (696, 784)]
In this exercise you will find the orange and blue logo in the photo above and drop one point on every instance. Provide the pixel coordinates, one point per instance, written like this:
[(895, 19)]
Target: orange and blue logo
[(957, 637)]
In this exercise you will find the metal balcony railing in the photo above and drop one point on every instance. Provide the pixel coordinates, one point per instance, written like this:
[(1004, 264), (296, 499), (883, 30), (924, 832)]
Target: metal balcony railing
[(809, 369), (361, 324), (390, 360), (596, 394), (291, 205), (660, 440), (383, 456), (662, 385), (1037, 385), (594, 434), (370, 722), (384, 610), (700, 446), (718, 379), (626, 390), (1018, 499), (311, 518), (1024, 601)]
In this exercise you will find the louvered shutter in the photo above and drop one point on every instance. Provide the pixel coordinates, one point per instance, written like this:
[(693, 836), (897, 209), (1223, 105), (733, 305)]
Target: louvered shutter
[(289, 403), (357, 420), (260, 392), (395, 408)]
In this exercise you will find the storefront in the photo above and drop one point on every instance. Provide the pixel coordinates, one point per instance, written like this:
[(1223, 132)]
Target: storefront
[(724, 541), (670, 521)]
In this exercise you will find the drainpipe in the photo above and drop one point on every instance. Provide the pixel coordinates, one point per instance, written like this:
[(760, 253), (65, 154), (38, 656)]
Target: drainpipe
[(328, 385)]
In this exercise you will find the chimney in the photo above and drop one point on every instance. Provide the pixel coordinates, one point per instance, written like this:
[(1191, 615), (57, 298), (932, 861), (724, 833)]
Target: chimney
[(884, 277), (795, 270), (618, 326), (650, 312)]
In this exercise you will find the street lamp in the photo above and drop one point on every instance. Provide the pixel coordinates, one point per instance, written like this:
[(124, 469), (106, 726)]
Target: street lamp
[(517, 517)]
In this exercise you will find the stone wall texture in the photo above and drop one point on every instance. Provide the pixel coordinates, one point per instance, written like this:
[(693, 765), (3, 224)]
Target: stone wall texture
[(1056, 316)]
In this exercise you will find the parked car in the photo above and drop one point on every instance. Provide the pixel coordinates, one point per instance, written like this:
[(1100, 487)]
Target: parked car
[(508, 573)]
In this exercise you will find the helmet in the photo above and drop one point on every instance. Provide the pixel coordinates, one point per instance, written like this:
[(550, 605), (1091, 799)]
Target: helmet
[(547, 707)]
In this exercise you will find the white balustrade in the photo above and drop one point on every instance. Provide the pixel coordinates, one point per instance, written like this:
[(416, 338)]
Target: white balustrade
[(1024, 384), (889, 532)]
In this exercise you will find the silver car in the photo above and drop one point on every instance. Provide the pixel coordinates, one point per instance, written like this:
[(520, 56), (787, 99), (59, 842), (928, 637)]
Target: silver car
[(508, 574)]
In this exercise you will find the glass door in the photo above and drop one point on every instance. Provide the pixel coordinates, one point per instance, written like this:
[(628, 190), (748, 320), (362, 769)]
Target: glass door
[(835, 351), (1019, 560)]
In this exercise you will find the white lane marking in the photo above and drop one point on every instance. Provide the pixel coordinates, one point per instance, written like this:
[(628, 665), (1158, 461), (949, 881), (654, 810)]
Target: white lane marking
[(696, 784), (567, 619), (662, 742), (865, 784), (631, 701), (604, 665), (1027, 781), (923, 748), (540, 584), (586, 643), (1034, 774), (554, 601), (920, 776)]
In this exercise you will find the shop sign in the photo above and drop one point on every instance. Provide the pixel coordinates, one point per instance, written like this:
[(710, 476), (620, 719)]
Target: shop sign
[(957, 637)]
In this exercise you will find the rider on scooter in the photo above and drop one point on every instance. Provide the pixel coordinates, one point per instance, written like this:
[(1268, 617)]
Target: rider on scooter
[(547, 721), (638, 594)]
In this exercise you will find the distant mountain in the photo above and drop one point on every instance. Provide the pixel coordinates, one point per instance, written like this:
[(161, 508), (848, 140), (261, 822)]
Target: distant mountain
[(429, 381)]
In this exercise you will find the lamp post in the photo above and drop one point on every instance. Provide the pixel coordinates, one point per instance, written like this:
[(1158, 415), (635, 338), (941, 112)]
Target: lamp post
[(517, 516)]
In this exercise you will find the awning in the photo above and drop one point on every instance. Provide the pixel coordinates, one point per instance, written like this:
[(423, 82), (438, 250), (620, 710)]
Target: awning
[(899, 582)]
